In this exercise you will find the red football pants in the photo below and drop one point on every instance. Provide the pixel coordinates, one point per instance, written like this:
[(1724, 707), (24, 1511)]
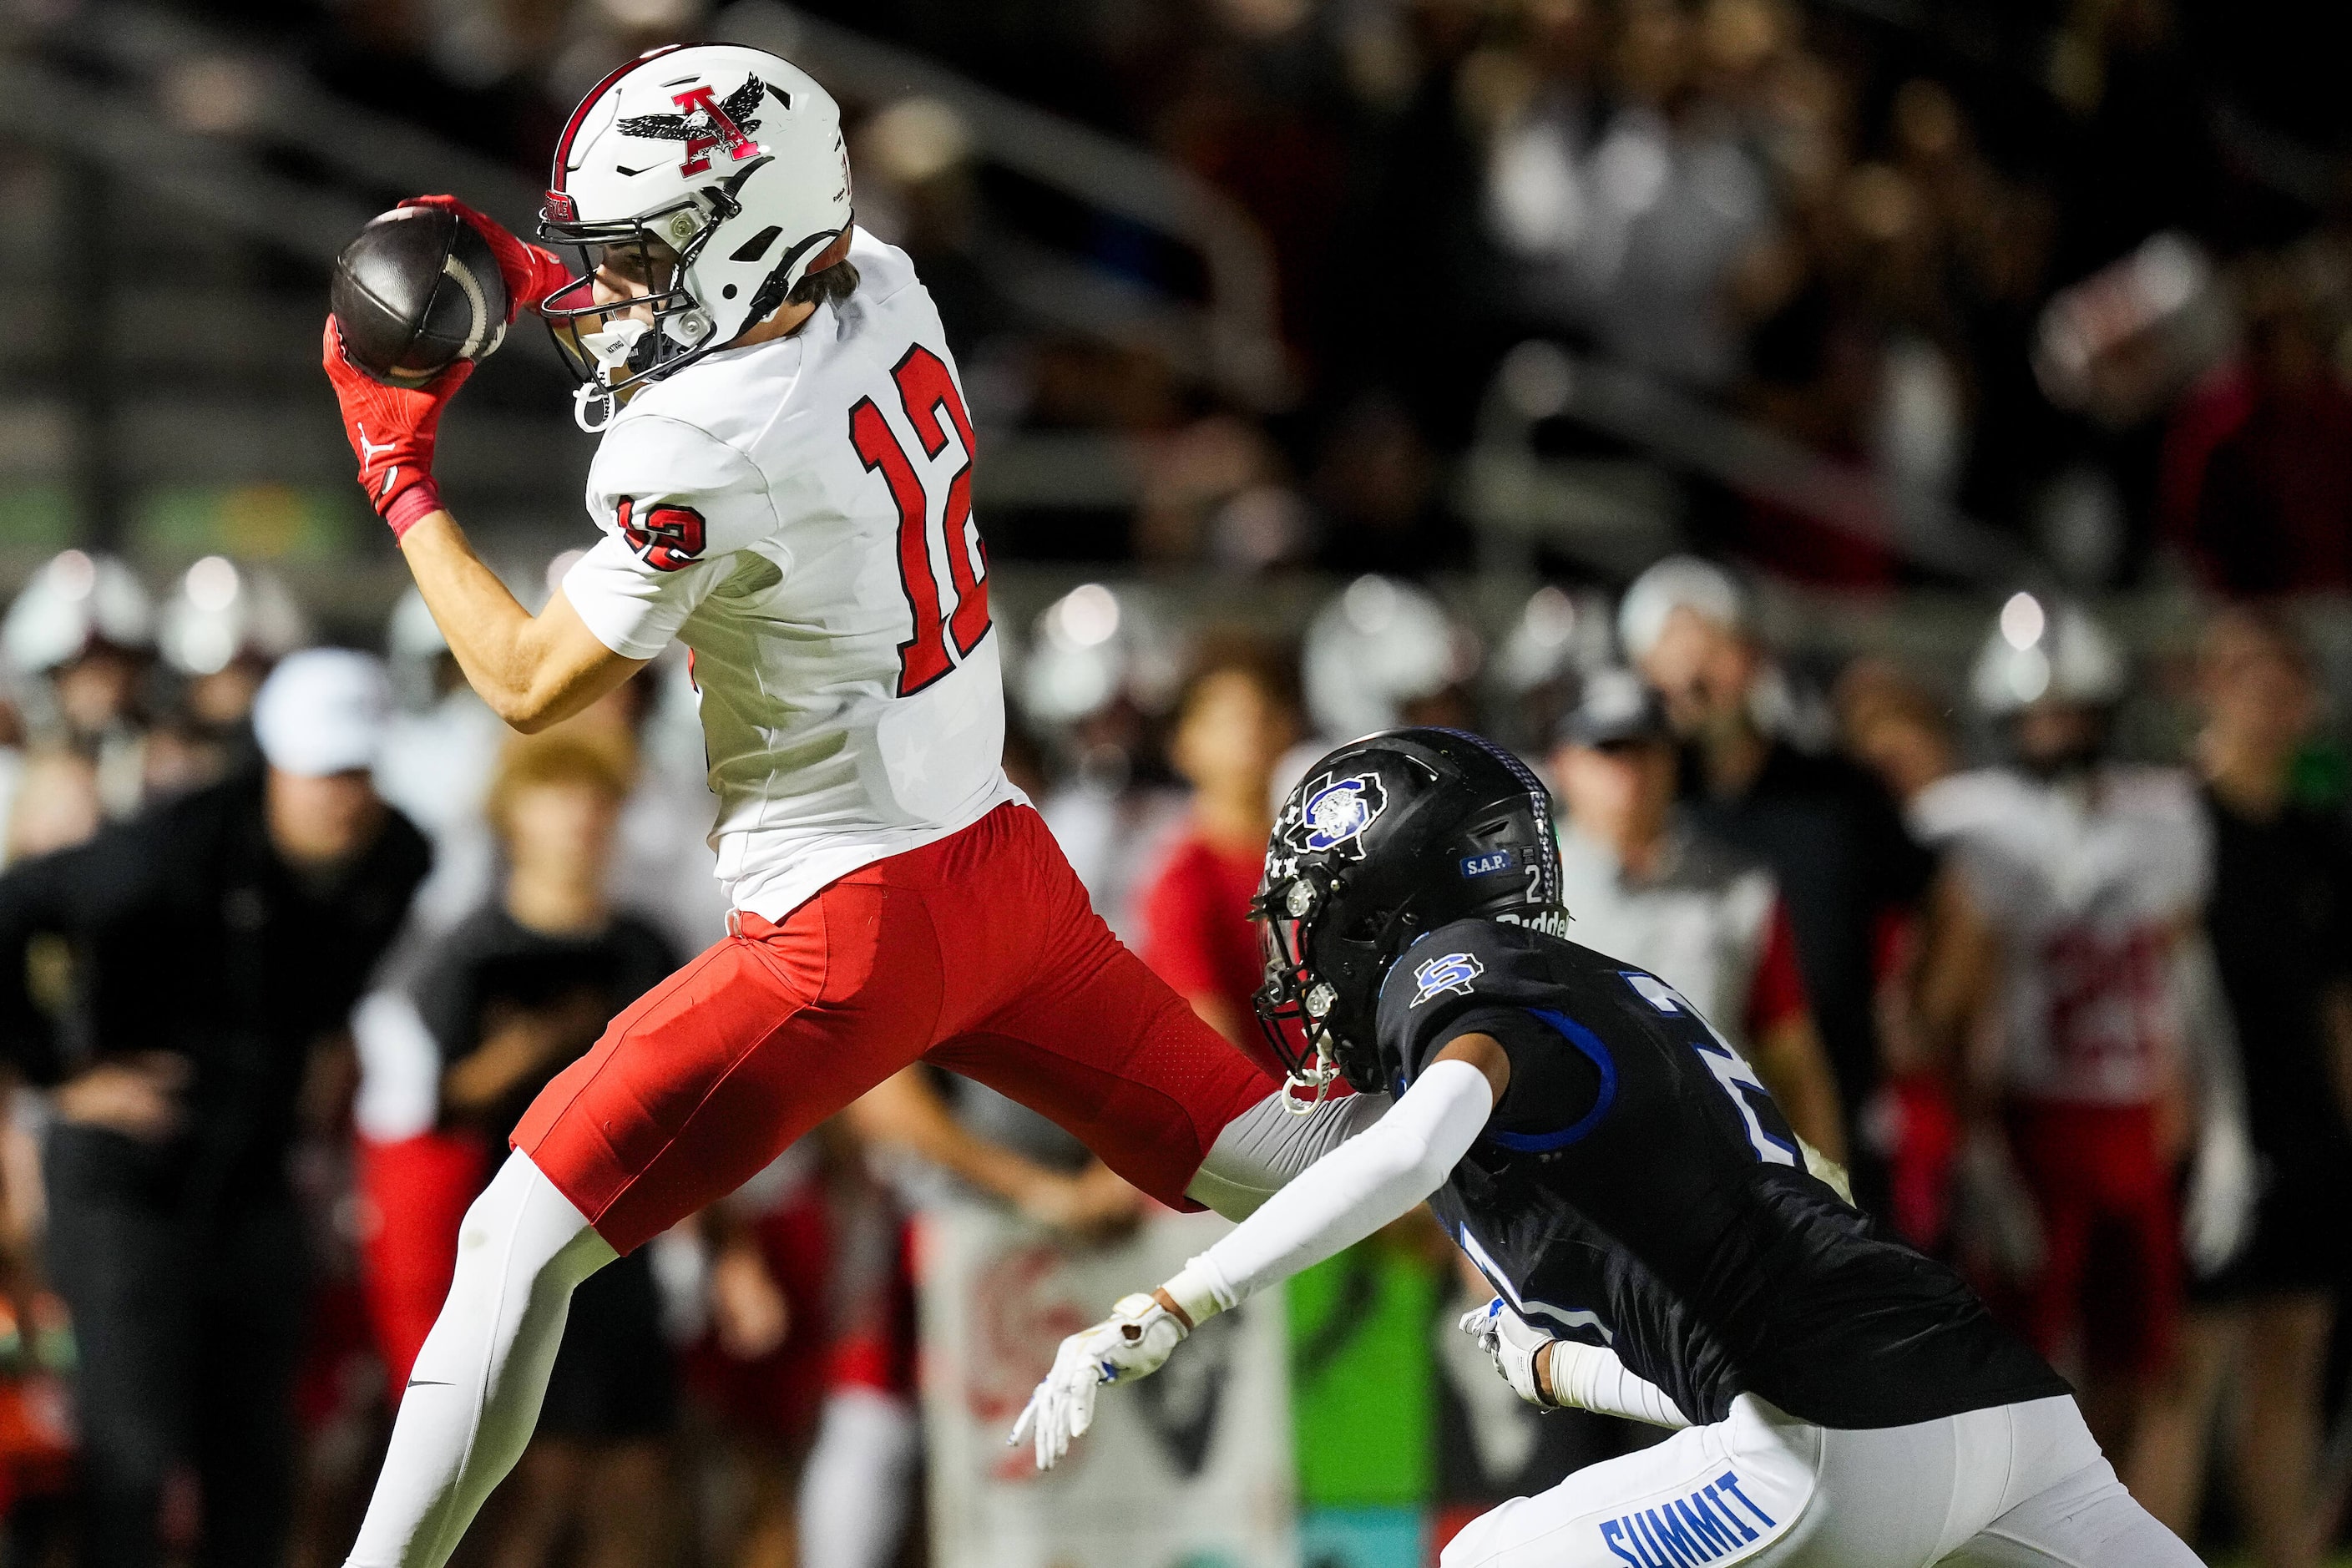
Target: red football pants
[(2112, 1265), (980, 953)]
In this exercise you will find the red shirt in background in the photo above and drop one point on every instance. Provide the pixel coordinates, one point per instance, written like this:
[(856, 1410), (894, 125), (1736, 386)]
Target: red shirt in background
[(1193, 907)]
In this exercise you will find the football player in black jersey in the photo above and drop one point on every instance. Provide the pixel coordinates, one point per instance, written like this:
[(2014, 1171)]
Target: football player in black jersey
[(1660, 1243)]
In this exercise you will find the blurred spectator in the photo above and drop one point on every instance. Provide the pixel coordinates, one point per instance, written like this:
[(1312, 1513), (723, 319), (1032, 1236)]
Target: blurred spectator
[(1846, 868), (1238, 714), (663, 865), (1099, 673), (1378, 484), (2091, 877), (1385, 652), (2278, 920), (1645, 887), (55, 805), (439, 751), (2257, 469), (1894, 727), (515, 993), (1631, 227), (1904, 733), (808, 1368), (942, 1138), (82, 631), (217, 944), (220, 632)]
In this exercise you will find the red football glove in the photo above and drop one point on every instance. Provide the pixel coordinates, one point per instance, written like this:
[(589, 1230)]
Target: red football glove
[(533, 272), (393, 428)]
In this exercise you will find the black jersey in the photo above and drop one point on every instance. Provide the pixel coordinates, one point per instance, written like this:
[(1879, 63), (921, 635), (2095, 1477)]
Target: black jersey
[(491, 967), (1636, 1187)]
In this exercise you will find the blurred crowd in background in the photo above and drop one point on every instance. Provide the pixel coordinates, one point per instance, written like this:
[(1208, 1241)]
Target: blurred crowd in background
[(2070, 268), (290, 934)]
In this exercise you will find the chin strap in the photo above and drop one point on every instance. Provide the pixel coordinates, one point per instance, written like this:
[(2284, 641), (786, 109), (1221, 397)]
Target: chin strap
[(1318, 1079), (612, 349), (583, 398)]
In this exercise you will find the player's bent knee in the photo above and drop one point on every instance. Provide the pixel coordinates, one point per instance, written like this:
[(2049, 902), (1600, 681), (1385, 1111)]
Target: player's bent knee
[(521, 1232)]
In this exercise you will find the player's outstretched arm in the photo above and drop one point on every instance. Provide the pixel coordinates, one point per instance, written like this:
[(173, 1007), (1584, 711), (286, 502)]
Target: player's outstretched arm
[(1374, 1178), (532, 670)]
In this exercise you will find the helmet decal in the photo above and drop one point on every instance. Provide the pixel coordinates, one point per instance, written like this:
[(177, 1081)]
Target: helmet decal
[(1546, 890), (1336, 813), (1435, 976), (705, 125)]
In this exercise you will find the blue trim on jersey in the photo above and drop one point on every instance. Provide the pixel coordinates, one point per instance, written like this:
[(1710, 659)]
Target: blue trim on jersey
[(1584, 1040)]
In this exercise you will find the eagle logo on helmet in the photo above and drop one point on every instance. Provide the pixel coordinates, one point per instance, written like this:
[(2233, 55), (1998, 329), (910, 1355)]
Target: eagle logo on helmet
[(1335, 814), (705, 124)]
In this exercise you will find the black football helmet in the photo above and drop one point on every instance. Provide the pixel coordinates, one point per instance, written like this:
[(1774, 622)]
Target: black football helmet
[(1388, 837)]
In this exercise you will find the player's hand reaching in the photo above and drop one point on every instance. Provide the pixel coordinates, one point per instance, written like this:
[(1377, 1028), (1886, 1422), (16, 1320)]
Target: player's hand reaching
[(1517, 1347), (1133, 1341), (2223, 1187), (533, 272), (391, 430)]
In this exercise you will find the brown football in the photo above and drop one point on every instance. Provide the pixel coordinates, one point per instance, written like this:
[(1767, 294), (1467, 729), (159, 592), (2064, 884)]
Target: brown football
[(416, 291)]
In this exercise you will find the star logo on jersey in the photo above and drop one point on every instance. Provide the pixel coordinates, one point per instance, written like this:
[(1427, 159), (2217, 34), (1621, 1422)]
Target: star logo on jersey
[(1454, 972), (708, 123), (1337, 812)]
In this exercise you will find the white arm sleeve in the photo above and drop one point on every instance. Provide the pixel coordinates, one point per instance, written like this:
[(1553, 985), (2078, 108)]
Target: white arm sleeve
[(1374, 1177), (1591, 1377)]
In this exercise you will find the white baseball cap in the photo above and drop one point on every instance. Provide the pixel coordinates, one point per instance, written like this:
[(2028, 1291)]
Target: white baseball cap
[(322, 712), (1677, 582)]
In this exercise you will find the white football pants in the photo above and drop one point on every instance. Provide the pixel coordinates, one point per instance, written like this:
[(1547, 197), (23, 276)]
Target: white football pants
[(2017, 1486)]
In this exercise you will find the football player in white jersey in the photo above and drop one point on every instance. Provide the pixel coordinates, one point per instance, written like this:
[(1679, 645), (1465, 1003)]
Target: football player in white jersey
[(2089, 876), (784, 485)]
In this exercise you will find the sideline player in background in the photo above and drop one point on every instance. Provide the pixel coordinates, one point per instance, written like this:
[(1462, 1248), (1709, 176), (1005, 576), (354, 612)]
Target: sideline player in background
[(1662, 1244), (784, 484), (2099, 1020)]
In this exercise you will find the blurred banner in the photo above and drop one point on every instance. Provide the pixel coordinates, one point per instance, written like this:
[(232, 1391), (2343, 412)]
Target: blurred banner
[(1190, 1469)]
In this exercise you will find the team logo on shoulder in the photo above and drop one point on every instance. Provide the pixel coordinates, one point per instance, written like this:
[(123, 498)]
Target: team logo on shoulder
[(1337, 812), (1454, 972), (666, 537)]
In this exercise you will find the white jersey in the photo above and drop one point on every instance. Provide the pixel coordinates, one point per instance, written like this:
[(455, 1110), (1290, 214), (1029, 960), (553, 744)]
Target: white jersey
[(799, 514), (2087, 886), (1700, 922)]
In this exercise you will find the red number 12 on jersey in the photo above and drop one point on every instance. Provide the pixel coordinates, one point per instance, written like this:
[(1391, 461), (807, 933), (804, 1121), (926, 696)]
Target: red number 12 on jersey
[(924, 388)]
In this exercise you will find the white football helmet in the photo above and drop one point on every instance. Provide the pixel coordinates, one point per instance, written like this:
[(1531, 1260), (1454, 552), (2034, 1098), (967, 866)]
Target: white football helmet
[(1379, 645), (2058, 654), (74, 600), (716, 173), (222, 611)]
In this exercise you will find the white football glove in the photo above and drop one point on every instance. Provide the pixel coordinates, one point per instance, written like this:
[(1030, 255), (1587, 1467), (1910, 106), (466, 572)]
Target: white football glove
[(1514, 1342), (1132, 1342), (2223, 1185)]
